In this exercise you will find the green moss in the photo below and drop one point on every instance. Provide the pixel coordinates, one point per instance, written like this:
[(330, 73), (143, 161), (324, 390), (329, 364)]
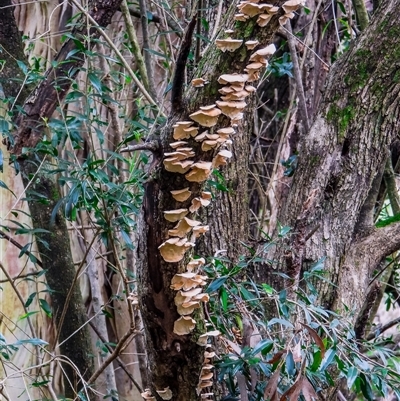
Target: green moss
[(396, 78), (341, 117)]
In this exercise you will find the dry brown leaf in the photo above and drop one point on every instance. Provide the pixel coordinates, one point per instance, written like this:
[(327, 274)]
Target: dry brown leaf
[(272, 386), (316, 338)]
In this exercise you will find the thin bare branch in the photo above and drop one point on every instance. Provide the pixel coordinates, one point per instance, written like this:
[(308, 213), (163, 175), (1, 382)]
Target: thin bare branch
[(147, 48), (153, 146), (297, 77), (131, 31)]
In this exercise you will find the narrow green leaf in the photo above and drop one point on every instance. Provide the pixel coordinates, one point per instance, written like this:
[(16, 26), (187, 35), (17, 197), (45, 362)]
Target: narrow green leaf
[(352, 374), (46, 307)]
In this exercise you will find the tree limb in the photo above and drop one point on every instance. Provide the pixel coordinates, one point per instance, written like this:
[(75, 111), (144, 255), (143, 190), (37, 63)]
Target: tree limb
[(179, 75), (153, 146)]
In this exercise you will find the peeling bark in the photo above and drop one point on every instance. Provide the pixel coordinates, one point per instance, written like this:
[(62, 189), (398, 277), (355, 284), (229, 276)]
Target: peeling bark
[(42, 102)]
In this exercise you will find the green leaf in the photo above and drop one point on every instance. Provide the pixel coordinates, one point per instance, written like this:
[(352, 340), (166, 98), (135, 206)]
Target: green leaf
[(95, 81), (317, 358), (290, 365), (329, 356), (33, 341), (46, 307), (264, 346), (25, 315), (366, 387), (30, 299), (352, 374), (224, 299), (216, 284), (4, 185), (268, 289), (283, 322)]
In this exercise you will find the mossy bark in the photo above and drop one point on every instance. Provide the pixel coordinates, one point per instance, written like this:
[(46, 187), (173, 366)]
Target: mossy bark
[(55, 253), (339, 159)]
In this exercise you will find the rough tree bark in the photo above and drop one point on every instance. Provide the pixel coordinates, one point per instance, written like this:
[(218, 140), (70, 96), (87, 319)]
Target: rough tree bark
[(328, 206)]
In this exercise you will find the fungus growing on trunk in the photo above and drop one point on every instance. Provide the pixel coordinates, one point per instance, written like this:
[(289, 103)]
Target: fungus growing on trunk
[(251, 44), (231, 109), (228, 44), (183, 227), (177, 166), (260, 55), (175, 215), (199, 172), (199, 230), (173, 250), (187, 281), (207, 116), (292, 5), (181, 194), (177, 144), (221, 158), (241, 17), (208, 145), (165, 394), (179, 130), (285, 18), (250, 9), (195, 264), (184, 325), (198, 82), (232, 78), (263, 20), (147, 395)]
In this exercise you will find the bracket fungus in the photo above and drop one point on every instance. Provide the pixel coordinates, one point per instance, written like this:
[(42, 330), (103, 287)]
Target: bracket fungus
[(207, 116), (179, 130), (232, 78), (184, 325), (228, 44), (198, 82), (231, 109), (174, 165), (198, 202), (251, 44), (183, 227), (285, 18), (181, 195), (292, 5), (195, 264), (187, 281), (241, 17), (175, 145), (147, 395), (175, 215), (199, 172), (263, 20), (173, 250), (260, 55), (250, 8), (208, 145), (199, 230), (165, 394), (221, 158)]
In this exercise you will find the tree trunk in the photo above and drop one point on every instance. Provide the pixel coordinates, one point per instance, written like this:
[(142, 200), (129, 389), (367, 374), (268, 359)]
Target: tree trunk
[(328, 206), (175, 361)]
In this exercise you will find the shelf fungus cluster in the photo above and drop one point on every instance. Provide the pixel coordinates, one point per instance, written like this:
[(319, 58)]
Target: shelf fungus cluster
[(264, 12), (201, 132)]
